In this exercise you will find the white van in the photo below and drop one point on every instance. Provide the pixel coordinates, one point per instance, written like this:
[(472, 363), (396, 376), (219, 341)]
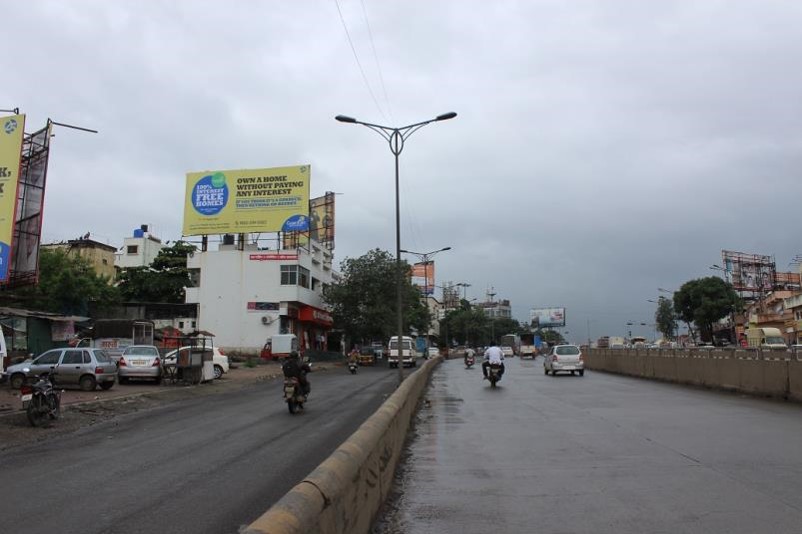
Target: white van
[(765, 338), (3, 356), (407, 352)]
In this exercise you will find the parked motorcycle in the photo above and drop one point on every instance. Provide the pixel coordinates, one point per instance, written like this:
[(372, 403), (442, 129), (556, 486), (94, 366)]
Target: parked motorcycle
[(494, 374), (469, 361), (41, 401), (353, 367)]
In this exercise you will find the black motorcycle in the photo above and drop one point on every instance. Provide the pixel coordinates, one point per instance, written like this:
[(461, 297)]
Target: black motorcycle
[(353, 367), (494, 374), (41, 400)]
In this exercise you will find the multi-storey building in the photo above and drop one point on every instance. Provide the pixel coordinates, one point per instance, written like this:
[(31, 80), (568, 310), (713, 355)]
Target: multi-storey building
[(139, 250), (99, 255)]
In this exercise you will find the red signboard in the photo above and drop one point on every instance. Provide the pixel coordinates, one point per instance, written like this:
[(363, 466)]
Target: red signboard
[(273, 256), (315, 315)]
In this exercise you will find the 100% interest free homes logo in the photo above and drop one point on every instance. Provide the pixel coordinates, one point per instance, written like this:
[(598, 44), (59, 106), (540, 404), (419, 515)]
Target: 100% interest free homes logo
[(210, 194)]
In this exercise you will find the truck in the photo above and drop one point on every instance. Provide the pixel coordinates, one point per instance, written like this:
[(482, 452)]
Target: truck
[(765, 338), (528, 349), (513, 341), (279, 346), (617, 342), (408, 352)]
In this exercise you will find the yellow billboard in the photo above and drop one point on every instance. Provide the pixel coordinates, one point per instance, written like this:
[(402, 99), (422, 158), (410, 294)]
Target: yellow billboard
[(247, 200), (11, 134)]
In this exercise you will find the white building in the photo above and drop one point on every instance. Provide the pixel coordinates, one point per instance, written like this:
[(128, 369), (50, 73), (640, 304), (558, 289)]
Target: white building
[(139, 250), (246, 295)]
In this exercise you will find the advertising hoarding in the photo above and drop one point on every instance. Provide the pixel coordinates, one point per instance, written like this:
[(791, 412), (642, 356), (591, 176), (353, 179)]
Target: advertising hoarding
[(247, 200), (321, 225), (11, 134), (423, 277), (547, 317), (749, 272)]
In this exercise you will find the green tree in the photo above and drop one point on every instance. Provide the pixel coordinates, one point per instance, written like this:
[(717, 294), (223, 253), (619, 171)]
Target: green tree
[(467, 323), (67, 284), (704, 301), (665, 318), (363, 302), (163, 280)]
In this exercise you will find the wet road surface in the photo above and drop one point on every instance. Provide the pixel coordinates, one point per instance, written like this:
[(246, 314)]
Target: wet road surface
[(205, 465), (595, 454)]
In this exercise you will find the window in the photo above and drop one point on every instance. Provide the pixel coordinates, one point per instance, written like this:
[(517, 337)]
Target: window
[(132, 249), (48, 358), (289, 275), (102, 357), (303, 277), (73, 357), (105, 261), (315, 283), (193, 324), (180, 324)]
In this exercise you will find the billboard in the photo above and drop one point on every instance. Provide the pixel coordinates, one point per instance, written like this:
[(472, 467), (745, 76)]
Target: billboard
[(749, 272), (547, 317), (30, 203), (423, 277), (247, 200), (321, 225), (11, 134)]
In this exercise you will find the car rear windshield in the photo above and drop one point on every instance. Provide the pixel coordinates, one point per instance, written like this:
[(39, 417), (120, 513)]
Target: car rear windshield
[(141, 351), (567, 351), (102, 357)]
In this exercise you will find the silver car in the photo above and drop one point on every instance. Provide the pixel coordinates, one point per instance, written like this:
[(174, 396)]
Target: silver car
[(84, 367), (567, 358), (140, 361)]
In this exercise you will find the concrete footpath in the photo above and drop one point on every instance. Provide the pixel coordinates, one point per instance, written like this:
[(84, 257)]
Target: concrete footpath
[(595, 454)]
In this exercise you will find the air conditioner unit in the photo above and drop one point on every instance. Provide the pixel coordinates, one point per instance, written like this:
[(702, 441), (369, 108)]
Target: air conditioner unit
[(266, 319)]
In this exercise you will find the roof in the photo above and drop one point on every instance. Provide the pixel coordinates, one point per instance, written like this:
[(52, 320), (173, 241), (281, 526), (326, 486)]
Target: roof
[(19, 312)]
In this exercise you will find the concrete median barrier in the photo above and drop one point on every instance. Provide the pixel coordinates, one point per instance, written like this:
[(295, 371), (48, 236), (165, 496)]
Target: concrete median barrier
[(344, 493), (795, 380)]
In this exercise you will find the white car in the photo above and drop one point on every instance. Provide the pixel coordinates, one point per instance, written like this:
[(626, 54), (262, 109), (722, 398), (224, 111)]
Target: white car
[(508, 352), (219, 359), (433, 351), (566, 358)]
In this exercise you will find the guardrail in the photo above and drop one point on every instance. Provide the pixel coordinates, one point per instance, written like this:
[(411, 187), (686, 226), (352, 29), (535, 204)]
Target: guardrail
[(753, 371), (344, 493)]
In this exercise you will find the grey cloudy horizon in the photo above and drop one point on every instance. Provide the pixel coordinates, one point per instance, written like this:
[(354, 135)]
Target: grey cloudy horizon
[(602, 149)]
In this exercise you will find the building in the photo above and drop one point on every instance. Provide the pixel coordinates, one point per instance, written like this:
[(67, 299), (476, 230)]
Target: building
[(771, 311), (496, 309), (246, 294), (99, 255), (139, 250)]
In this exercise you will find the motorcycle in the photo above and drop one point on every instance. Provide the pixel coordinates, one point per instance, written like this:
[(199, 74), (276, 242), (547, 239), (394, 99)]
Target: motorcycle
[(293, 394), (353, 367), (41, 401), (494, 374), (469, 361)]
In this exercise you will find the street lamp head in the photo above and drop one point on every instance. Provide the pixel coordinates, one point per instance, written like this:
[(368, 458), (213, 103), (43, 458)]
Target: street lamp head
[(344, 118), (446, 116), (444, 249)]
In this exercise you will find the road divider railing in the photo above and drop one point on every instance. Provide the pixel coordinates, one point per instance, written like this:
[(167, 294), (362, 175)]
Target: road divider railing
[(344, 493), (765, 373)]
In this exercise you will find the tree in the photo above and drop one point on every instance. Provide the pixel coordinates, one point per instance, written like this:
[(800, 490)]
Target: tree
[(67, 284), (665, 319), (163, 280), (704, 301), (363, 302)]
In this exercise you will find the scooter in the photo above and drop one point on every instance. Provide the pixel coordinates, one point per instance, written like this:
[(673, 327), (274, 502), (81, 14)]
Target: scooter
[(494, 374), (41, 401), (293, 394), (469, 361), (353, 367)]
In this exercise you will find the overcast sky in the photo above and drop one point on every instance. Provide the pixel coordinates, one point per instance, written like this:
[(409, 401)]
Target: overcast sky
[(603, 149)]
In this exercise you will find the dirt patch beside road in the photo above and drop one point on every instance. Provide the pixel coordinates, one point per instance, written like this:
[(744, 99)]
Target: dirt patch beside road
[(82, 409)]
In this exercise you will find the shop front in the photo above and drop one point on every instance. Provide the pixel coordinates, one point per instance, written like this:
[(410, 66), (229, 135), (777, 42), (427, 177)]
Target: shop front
[(314, 325)]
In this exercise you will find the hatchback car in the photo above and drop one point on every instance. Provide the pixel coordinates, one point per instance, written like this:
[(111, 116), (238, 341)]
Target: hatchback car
[(567, 358), (85, 367), (219, 359), (508, 352), (140, 361)]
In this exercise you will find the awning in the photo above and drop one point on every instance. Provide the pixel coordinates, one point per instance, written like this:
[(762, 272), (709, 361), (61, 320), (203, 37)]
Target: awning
[(310, 314)]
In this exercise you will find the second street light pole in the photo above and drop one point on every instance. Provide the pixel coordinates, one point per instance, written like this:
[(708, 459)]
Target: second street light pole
[(396, 138), (425, 258)]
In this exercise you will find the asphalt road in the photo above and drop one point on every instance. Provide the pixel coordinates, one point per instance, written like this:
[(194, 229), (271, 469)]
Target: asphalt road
[(210, 464), (598, 454)]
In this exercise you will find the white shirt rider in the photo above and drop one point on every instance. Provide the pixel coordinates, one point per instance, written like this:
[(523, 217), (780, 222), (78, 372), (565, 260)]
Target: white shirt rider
[(494, 355)]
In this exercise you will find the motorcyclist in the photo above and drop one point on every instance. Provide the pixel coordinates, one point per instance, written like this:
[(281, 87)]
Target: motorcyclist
[(469, 353), (353, 356), (293, 367), (493, 356)]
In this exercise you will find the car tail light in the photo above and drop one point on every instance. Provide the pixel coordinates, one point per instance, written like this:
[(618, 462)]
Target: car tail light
[(221, 351), (25, 389), (98, 370), (156, 363), (122, 363), (554, 358)]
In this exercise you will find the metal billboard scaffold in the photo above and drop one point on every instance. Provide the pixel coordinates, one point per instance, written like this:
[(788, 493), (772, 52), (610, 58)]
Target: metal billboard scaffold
[(749, 273)]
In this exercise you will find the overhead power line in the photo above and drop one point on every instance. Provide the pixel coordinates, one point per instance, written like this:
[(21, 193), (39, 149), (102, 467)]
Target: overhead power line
[(359, 63), (376, 58)]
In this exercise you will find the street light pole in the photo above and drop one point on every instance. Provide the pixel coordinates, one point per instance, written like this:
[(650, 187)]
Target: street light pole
[(396, 138), (425, 258)]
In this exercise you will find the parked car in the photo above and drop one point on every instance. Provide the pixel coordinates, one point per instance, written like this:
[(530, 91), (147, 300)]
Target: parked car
[(219, 359), (140, 361), (433, 351), (564, 358), (84, 367)]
